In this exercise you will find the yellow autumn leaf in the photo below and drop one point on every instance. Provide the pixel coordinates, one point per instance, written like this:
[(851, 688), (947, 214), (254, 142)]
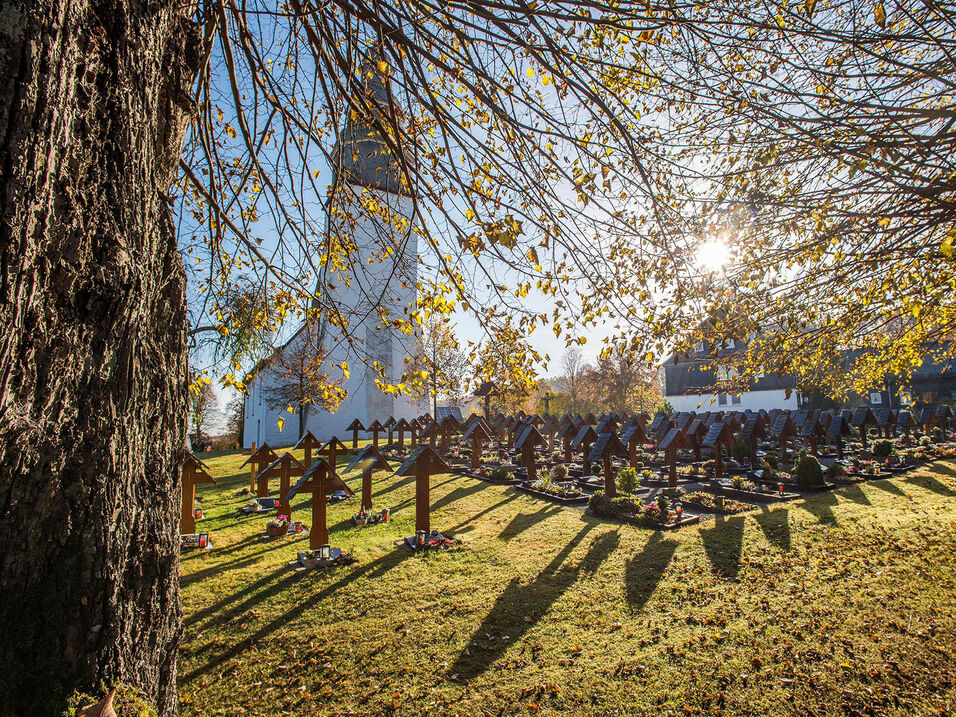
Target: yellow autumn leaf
[(879, 14)]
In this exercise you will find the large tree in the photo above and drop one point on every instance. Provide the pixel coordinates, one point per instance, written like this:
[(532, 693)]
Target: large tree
[(94, 106)]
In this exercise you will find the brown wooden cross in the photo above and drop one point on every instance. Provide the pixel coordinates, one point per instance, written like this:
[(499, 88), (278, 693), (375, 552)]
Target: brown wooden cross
[(375, 428), (402, 426), (194, 472), (369, 459), (262, 456), (285, 467), (423, 464), (674, 440), (605, 448), (477, 433), (633, 436), (718, 435), (583, 440), (355, 426), (528, 438), (321, 480), (308, 443), (331, 451)]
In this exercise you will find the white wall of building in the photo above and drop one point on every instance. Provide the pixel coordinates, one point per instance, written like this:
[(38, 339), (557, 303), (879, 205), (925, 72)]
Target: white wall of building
[(384, 274), (753, 400)]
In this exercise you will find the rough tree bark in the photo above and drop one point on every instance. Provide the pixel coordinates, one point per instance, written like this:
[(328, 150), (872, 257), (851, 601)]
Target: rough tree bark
[(93, 111)]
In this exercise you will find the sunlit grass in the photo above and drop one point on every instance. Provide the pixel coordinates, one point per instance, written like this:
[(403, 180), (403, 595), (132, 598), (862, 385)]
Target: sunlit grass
[(842, 604)]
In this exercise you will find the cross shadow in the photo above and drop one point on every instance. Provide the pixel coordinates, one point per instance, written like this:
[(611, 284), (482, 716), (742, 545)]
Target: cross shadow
[(932, 484), (371, 570), (855, 493), (241, 562), (887, 485), (523, 521), (507, 499), (644, 571), (520, 605), (821, 505), (775, 524), (722, 543)]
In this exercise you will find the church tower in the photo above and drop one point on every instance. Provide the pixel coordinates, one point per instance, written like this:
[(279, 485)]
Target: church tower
[(370, 215)]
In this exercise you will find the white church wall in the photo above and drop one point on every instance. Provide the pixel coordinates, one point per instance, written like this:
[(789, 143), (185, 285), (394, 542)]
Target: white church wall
[(391, 283), (752, 400)]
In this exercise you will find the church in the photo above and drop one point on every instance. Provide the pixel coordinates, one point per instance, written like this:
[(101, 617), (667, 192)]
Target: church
[(378, 286)]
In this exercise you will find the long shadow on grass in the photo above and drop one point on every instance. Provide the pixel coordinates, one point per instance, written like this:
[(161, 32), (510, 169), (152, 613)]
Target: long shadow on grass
[(520, 605), (241, 562), (775, 524), (933, 484), (889, 486), (644, 571), (723, 543), (371, 571), (855, 493), (457, 494), (510, 497), (821, 505), (523, 521)]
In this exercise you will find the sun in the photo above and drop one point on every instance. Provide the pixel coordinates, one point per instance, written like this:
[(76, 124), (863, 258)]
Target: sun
[(712, 255)]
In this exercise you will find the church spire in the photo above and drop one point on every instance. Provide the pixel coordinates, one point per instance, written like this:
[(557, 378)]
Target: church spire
[(362, 157)]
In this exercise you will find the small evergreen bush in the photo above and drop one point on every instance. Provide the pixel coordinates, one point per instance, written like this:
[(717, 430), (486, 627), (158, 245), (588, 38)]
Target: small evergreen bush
[(808, 472)]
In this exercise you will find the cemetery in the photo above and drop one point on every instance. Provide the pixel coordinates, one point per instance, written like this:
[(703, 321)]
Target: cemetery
[(460, 569)]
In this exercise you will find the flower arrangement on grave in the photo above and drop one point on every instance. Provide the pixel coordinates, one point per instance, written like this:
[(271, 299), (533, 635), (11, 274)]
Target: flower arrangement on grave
[(707, 468), (277, 526), (627, 480), (720, 504), (836, 471), (546, 484), (647, 474), (737, 482), (501, 474), (252, 503), (652, 511), (559, 472)]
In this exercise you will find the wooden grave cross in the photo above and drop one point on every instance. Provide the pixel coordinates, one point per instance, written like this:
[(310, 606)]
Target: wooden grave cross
[(423, 463), (194, 472), (320, 479), (369, 459), (262, 456)]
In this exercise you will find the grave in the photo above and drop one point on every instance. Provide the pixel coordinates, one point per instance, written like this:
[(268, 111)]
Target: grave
[(422, 464), (194, 472)]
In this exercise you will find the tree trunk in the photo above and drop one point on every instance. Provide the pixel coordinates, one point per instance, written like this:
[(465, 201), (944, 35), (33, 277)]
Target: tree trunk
[(93, 112)]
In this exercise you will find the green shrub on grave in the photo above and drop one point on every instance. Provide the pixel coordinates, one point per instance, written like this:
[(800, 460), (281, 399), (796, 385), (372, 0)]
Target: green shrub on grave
[(627, 480), (605, 507), (883, 448), (808, 472)]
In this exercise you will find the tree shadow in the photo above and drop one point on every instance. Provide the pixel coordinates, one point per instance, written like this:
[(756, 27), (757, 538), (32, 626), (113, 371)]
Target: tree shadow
[(722, 543), (523, 521), (944, 469), (644, 571), (457, 493), (775, 524), (371, 571), (520, 605), (855, 493), (931, 483)]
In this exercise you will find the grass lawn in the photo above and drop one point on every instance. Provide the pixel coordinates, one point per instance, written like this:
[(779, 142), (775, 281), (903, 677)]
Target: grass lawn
[(842, 604)]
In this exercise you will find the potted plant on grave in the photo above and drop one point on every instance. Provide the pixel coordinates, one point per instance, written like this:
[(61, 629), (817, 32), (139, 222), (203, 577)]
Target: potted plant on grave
[(559, 472), (277, 526)]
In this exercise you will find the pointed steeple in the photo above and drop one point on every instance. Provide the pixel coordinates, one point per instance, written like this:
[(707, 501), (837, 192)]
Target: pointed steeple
[(362, 156)]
